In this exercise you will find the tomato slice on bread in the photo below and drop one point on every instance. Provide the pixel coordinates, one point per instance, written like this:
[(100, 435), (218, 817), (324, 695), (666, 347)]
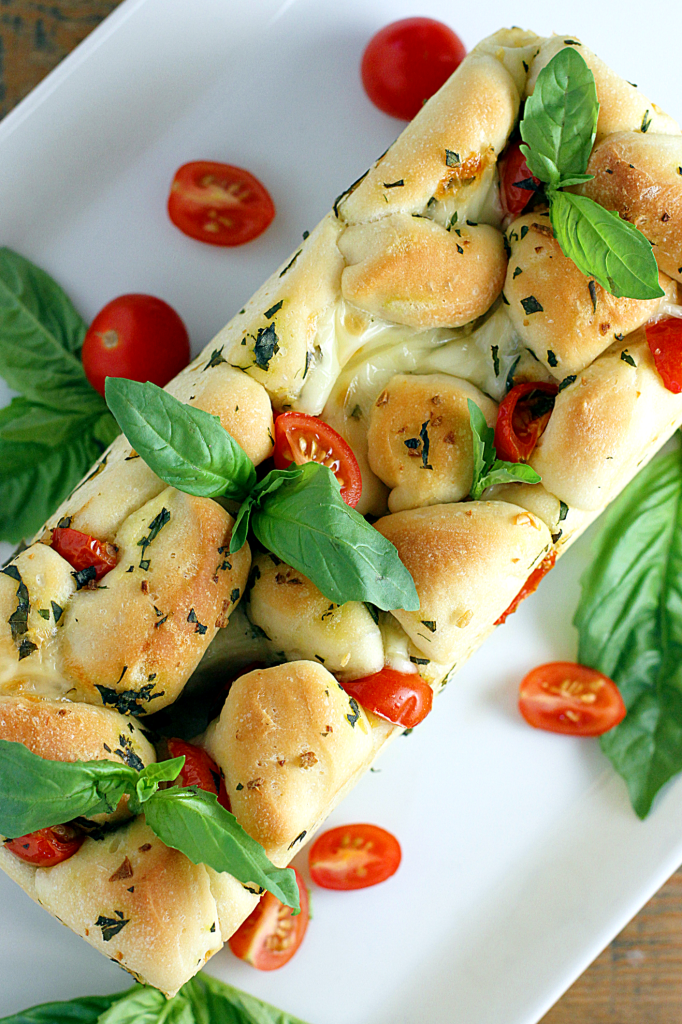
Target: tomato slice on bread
[(665, 341), (271, 934), (530, 586), (82, 551), (300, 438), (402, 698), (47, 846), (199, 770), (522, 417), (354, 857), (517, 184), (219, 204), (572, 699)]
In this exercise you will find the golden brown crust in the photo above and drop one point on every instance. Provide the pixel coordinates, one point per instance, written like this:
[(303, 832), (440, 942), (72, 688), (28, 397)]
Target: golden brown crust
[(411, 271), (604, 424), (287, 740), (640, 176), (304, 624), (416, 410), (576, 319), (468, 561), (145, 632)]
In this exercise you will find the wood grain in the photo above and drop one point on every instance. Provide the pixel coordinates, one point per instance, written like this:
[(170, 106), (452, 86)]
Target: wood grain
[(638, 978)]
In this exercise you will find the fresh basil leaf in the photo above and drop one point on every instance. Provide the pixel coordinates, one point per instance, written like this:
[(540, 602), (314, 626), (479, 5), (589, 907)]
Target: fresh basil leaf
[(630, 626), (37, 793), (560, 120), (105, 429), (35, 479), (85, 1010), (268, 485), (215, 1002), (192, 821), (41, 333), (141, 1005), (488, 469), (29, 422), (307, 524), (149, 778), (604, 246), (188, 448)]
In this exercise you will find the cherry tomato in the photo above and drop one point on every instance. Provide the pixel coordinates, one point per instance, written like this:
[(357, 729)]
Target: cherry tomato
[(353, 857), (47, 846), (521, 419), (402, 698), (199, 770), (665, 342), (271, 934), (569, 698), (219, 204), (138, 337), (82, 551), (406, 62), (516, 181), (300, 438), (530, 586)]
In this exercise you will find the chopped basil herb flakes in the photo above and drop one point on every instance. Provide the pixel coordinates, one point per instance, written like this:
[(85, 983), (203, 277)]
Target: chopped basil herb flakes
[(495, 350), (44, 613), (18, 620), (85, 576), (531, 305), (424, 435), (111, 926), (516, 273), (157, 524), (291, 262), (266, 346), (646, 121), (563, 511), (216, 358), (524, 230), (627, 358), (451, 158), (192, 617), (128, 702), (430, 624), (592, 285), (394, 184), (419, 661), (269, 313), (355, 711), (551, 358), (567, 381)]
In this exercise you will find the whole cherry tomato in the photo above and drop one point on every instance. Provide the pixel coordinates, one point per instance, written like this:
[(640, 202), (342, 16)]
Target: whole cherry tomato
[(199, 770), (665, 341), (219, 204), (82, 551), (517, 184), (406, 62), (572, 699), (47, 846), (530, 586), (138, 337), (271, 934), (402, 698), (521, 419), (354, 857), (301, 438)]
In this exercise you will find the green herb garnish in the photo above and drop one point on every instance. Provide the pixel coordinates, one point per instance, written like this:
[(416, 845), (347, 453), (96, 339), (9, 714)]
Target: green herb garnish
[(558, 129), (488, 469)]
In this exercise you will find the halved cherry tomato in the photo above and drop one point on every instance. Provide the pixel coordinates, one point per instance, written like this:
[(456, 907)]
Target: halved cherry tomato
[(521, 419), (47, 846), (218, 203), (199, 770), (564, 697), (82, 551), (354, 857), (530, 586), (406, 62), (665, 342), (271, 934), (402, 698), (301, 438), (135, 336), (517, 184)]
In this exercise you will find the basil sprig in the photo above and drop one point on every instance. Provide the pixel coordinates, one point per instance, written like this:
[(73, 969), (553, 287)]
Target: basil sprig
[(488, 469), (58, 425), (630, 626), (558, 128), (298, 514), (38, 793), (203, 1000)]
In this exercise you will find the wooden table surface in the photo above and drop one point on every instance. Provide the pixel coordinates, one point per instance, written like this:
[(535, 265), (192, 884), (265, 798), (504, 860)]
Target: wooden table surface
[(638, 978)]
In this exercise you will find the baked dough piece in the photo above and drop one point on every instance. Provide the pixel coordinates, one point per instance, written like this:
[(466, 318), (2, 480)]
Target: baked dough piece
[(303, 624), (420, 441), (288, 739), (468, 561), (640, 177), (604, 425), (414, 272), (565, 318)]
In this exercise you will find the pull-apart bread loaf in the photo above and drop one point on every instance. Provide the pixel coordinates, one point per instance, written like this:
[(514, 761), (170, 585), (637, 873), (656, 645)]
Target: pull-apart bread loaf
[(409, 299)]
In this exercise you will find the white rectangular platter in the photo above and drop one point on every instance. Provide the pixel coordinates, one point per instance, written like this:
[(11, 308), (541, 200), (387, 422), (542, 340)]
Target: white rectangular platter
[(521, 856)]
